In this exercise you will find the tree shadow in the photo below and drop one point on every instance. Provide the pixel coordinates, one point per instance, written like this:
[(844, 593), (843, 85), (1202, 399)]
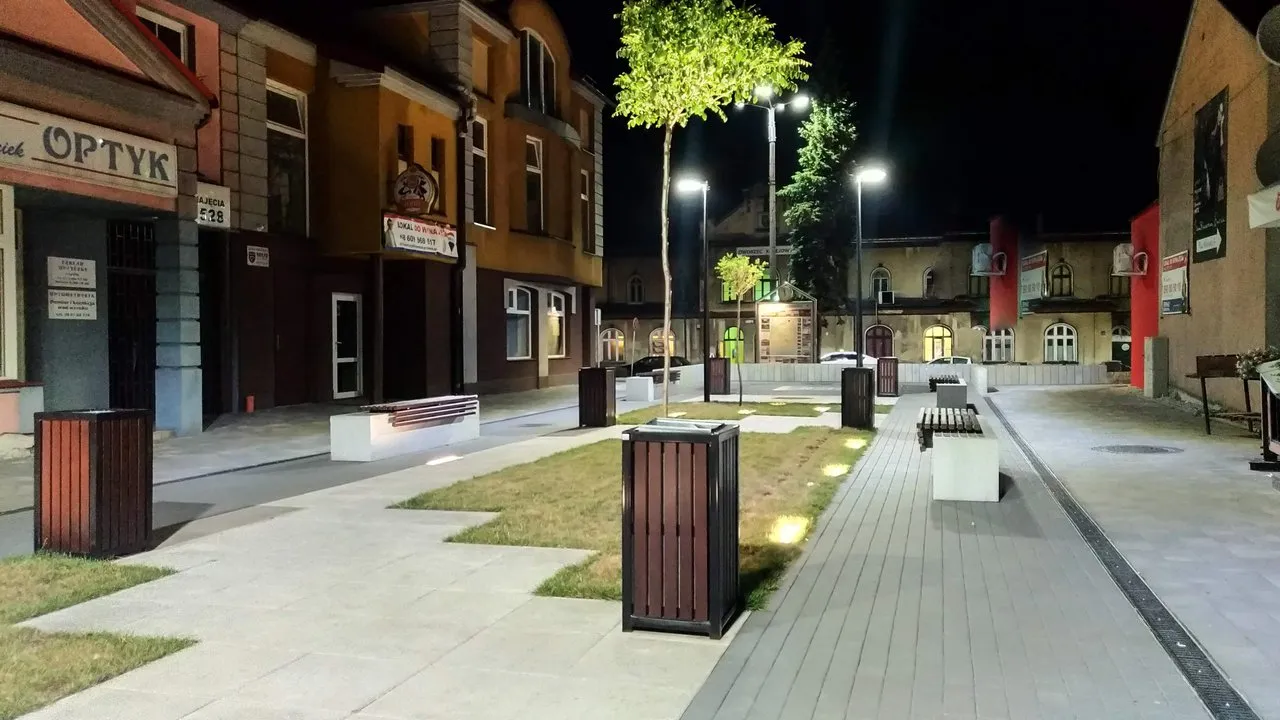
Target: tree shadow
[(761, 569)]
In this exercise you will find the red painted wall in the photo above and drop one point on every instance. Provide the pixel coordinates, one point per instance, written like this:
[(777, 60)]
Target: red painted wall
[(1144, 292), (1004, 288)]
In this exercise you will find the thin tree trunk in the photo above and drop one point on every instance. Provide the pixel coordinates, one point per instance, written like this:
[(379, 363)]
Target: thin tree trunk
[(666, 272), (742, 350)]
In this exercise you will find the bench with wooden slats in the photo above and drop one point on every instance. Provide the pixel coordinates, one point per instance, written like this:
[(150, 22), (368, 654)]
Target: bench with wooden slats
[(937, 380), (945, 420), (410, 413)]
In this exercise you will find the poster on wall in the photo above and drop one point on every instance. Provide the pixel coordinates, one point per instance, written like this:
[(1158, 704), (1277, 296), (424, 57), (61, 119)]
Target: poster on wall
[(1173, 284), (73, 273), (1209, 204), (1031, 280), (73, 305)]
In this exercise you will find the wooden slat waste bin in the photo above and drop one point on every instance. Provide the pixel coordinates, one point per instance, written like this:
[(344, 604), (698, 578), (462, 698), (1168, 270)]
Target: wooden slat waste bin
[(887, 377), (857, 398), (719, 371), (597, 397), (93, 475), (680, 527)]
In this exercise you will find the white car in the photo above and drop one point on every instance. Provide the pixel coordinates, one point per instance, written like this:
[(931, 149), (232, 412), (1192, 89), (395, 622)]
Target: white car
[(951, 360), (846, 357)]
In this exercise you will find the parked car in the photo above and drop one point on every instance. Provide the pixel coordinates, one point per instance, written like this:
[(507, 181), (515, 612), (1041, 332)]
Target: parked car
[(951, 360), (846, 357), (653, 363)]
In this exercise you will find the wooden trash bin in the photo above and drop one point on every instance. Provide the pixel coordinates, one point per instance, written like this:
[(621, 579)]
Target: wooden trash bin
[(857, 398), (597, 397), (887, 377), (719, 370), (93, 482), (680, 527)]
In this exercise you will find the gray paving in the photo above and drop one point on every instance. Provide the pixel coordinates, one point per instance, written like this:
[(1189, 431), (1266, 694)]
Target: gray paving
[(906, 608)]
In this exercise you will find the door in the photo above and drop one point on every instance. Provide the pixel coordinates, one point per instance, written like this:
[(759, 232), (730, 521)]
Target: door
[(1121, 346), (348, 365), (879, 341), (131, 314), (290, 290)]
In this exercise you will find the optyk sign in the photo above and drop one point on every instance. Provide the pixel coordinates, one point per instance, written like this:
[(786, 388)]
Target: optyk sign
[(52, 145)]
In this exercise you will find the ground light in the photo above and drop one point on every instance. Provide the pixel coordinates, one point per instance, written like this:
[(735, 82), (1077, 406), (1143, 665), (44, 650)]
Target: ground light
[(855, 443), (835, 470), (788, 530)]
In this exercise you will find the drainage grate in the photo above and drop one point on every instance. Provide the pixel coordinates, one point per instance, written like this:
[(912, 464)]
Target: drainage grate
[(1136, 449), (1217, 694)]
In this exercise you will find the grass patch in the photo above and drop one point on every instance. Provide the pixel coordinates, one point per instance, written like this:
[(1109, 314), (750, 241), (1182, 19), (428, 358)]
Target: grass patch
[(38, 668), (884, 409), (727, 411), (571, 500)]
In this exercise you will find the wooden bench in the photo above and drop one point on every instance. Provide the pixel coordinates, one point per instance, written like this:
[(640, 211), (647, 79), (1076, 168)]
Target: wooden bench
[(937, 380), (398, 428), (965, 462), (1222, 366), (950, 420)]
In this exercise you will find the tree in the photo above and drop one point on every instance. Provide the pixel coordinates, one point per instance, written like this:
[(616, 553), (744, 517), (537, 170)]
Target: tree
[(688, 58), (822, 213), (740, 275)]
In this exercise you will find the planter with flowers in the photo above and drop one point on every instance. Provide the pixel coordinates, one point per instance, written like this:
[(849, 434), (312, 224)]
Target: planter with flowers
[(1247, 364)]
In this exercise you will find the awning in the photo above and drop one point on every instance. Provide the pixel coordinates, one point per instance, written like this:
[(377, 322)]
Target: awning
[(1264, 208)]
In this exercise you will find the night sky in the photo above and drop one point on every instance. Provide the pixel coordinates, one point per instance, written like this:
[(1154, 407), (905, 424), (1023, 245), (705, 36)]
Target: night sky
[(1047, 108)]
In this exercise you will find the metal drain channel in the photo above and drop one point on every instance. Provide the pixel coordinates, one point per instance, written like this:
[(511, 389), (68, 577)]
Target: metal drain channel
[(1217, 694)]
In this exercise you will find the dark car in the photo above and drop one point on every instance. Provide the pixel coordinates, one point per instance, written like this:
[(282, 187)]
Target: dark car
[(653, 363)]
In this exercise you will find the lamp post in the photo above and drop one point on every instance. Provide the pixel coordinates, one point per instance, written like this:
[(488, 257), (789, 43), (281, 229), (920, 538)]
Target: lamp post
[(764, 100), (871, 176), (688, 186)]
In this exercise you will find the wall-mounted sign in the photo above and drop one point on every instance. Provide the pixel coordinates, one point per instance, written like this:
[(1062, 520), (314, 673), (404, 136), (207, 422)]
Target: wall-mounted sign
[(53, 145), (73, 273), (786, 332), (1031, 280), (73, 305), (258, 256), (213, 203), (415, 191), (1209, 204), (420, 236), (1173, 284), (763, 251)]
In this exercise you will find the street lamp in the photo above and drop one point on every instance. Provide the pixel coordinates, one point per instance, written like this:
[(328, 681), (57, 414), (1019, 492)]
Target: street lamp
[(689, 186), (870, 175), (764, 100)]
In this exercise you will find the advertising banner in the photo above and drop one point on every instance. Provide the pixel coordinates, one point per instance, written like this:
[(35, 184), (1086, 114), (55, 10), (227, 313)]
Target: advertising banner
[(1031, 280), (1173, 284), (1209, 209), (420, 236)]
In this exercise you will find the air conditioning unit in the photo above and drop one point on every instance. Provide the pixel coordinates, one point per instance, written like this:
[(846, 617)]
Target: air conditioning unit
[(886, 297)]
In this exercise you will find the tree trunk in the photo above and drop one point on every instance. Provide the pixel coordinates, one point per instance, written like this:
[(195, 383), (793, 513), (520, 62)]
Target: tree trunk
[(666, 272), (742, 350)]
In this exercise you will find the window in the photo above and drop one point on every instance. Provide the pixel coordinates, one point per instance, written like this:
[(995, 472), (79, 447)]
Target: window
[(10, 249), (519, 328), (937, 342), (480, 171), (286, 160), (612, 345), (1060, 281), (655, 342), (584, 208), (404, 145), (538, 74), (880, 281), (979, 285), (533, 185), (480, 67), (172, 34), (928, 284), (997, 346), (557, 340), (1119, 286), (438, 160), (635, 290), (879, 341), (762, 221), (764, 288), (734, 345), (1060, 344)]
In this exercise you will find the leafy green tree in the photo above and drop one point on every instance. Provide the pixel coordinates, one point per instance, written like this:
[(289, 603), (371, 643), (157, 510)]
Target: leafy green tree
[(686, 59), (822, 207), (740, 275)]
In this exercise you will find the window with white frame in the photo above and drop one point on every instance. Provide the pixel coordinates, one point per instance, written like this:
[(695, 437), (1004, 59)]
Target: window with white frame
[(519, 324), (10, 244), (880, 281), (537, 74), (635, 290), (534, 221), (655, 342), (929, 284), (937, 342), (286, 160), (557, 326), (1060, 344), (171, 33), (480, 170), (584, 209), (612, 345), (997, 346)]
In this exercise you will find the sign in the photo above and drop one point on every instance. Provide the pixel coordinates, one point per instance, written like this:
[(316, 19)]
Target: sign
[(1209, 207), (1031, 280), (786, 332), (1173, 284), (415, 191), (48, 144), (258, 256), (73, 273), (763, 251), (213, 203), (1264, 208), (420, 236), (73, 305)]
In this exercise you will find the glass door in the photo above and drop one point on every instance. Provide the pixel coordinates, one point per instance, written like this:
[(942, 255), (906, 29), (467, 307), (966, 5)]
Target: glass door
[(348, 366)]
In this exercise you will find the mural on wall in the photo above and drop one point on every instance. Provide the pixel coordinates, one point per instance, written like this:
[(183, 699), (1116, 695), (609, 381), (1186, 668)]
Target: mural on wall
[(1209, 215)]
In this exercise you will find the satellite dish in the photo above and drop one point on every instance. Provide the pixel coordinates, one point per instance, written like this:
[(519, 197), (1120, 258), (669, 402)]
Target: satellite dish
[(1269, 35), (1267, 164)]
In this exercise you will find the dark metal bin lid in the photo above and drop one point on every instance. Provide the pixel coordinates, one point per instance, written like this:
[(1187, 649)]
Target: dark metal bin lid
[(676, 429), (93, 415)]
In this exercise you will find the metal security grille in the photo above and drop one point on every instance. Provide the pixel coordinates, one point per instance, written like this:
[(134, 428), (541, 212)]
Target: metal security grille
[(131, 314)]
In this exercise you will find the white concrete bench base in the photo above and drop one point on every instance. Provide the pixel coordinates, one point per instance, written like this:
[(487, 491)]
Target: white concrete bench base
[(953, 396), (966, 467), (640, 389), (365, 437)]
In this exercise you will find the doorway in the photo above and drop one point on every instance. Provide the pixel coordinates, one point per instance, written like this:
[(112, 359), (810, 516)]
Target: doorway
[(348, 365), (879, 341), (131, 314), (1121, 346)]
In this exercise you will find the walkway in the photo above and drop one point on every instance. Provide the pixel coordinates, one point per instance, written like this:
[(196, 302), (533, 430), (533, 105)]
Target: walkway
[(906, 608)]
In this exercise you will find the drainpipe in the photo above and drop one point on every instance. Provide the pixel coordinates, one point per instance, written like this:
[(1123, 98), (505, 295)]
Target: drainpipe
[(457, 291)]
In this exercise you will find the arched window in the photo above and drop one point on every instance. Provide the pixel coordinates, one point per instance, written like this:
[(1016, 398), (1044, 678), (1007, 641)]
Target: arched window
[(1060, 344), (937, 342), (997, 346), (635, 290), (879, 342), (612, 345), (880, 281), (655, 342), (519, 327), (929, 284), (1061, 283), (734, 344), (537, 74)]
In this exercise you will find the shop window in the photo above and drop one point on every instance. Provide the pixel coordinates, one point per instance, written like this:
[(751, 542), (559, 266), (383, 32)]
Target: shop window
[(929, 284), (534, 221), (584, 208), (557, 326), (537, 74), (881, 281), (519, 327), (286, 160), (655, 342), (635, 290), (1060, 344), (1061, 281), (171, 33), (979, 285), (997, 346), (480, 171), (937, 342)]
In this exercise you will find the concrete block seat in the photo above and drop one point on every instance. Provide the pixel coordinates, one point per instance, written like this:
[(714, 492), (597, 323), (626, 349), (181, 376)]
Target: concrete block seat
[(965, 462), (953, 395), (401, 428), (640, 389)]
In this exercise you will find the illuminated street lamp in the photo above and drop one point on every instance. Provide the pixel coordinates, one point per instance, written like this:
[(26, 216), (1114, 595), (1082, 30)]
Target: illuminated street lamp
[(689, 186), (869, 175), (764, 100)]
